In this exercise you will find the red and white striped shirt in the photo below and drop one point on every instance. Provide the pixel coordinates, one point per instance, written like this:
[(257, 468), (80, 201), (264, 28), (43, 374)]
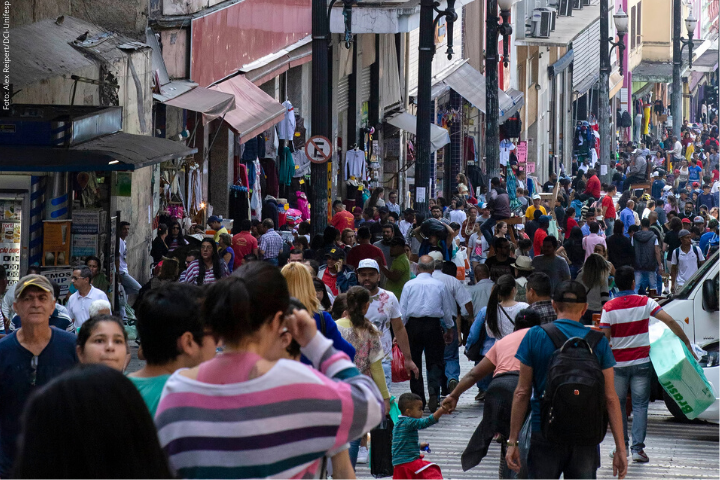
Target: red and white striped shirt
[(628, 318)]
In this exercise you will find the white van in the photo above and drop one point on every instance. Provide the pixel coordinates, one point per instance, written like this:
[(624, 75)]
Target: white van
[(695, 308)]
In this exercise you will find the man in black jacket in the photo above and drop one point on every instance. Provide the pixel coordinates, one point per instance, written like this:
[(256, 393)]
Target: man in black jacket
[(647, 258)]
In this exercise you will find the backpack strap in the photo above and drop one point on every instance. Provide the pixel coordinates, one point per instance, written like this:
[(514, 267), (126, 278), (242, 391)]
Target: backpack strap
[(558, 338), (594, 337)]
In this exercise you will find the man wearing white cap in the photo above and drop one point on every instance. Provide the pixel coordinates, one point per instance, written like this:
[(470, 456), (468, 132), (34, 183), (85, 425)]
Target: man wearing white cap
[(530, 212), (426, 309), (384, 311)]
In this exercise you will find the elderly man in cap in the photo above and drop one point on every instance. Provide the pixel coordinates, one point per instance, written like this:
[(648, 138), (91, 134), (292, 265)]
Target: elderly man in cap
[(29, 358), (426, 308), (215, 223), (685, 260), (335, 274), (384, 312)]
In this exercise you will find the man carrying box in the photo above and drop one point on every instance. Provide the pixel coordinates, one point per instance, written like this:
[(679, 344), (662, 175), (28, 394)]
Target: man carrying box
[(625, 320)]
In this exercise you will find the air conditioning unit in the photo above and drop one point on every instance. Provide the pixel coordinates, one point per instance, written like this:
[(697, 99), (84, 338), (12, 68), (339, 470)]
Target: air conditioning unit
[(542, 20), (577, 4), (553, 16), (565, 8)]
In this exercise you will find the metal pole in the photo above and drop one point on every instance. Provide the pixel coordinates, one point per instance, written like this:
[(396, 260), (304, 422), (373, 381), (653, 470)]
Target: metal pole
[(606, 133), (320, 108), (676, 98), (492, 133), (424, 107)]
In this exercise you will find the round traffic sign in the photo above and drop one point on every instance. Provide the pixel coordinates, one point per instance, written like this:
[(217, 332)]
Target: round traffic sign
[(318, 149)]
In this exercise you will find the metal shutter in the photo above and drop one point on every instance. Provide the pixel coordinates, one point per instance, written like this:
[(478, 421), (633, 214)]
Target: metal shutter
[(586, 53), (343, 94), (365, 85)]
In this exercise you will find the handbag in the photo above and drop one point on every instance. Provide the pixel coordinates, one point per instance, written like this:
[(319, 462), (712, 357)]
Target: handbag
[(381, 449)]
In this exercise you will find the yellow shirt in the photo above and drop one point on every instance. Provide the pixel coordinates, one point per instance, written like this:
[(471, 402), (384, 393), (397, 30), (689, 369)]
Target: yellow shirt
[(218, 233), (530, 212)]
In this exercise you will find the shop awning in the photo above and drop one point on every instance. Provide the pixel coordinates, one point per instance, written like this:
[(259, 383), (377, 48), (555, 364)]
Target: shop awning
[(659, 72), (255, 111), (120, 151), (707, 62), (616, 83), (508, 109), (210, 103), (587, 84), (439, 137), (270, 66)]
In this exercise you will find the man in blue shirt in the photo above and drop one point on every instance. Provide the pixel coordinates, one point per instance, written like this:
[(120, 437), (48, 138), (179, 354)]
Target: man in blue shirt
[(709, 238), (694, 171), (546, 459), (627, 217), (29, 358), (656, 190), (706, 198)]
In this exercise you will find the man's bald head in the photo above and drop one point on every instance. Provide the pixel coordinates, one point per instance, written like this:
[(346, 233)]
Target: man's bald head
[(426, 264)]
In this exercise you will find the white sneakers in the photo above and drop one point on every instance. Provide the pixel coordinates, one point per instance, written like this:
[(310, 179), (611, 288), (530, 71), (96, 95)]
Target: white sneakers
[(362, 455)]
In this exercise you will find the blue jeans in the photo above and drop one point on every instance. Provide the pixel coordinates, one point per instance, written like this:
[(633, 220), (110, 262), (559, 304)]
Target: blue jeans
[(272, 261), (609, 224), (130, 285), (452, 357), (353, 451), (387, 370), (645, 279), (637, 379), (487, 229)]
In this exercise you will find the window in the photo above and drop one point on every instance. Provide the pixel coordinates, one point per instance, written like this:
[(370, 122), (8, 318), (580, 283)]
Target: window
[(632, 27), (638, 25)]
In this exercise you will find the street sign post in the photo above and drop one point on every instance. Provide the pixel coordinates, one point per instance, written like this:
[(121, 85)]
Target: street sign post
[(318, 149)]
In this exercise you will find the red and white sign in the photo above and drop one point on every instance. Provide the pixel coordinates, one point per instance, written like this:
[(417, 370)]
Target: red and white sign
[(318, 149)]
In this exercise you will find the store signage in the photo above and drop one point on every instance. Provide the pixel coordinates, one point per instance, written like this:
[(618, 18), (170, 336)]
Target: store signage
[(61, 276), (522, 152), (318, 149)]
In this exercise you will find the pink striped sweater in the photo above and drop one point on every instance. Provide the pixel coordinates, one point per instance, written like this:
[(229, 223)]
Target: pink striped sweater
[(278, 425)]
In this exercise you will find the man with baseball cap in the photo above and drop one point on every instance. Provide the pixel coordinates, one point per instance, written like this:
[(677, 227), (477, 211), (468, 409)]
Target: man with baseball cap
[(215, 223), (399, 272), (685, 260), (384, 311), (30, 357), (530, 212), (337, 276)]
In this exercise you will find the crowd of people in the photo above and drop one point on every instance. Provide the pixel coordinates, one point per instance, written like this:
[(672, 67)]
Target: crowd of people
[(269, 353)]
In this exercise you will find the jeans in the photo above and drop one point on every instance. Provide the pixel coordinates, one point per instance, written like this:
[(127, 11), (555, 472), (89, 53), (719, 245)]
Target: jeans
[(425, 335), (387, 370), (272, 261), (609, 224), (452, 357), (550, 460), (636, 378), (353, 451), (487, 229), (644, 278), (130, 285)]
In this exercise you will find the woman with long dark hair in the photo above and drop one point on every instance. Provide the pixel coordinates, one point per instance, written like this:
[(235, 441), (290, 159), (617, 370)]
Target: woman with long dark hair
[(206, 269), (502, 308), (573, 251), (362, 334), (321, 292), (103, 413), (376, 199), (249, 312), (175, 237), (594, 276), (619, 249)]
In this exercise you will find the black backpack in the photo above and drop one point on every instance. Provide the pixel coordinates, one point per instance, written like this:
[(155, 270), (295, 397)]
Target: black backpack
[(572, 408)]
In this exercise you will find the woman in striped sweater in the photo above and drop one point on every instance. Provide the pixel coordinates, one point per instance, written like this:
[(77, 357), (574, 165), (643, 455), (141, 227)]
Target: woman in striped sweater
[(242, 416)]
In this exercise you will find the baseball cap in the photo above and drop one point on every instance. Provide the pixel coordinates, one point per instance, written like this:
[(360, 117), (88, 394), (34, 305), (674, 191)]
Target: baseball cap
[(656, 174), (336, 254), (686, 220), (698, 219), (696, 184), (368, 263), (536, 196), (667, 187), (33, 280), (213, 218), (357, 210), (570, 292), (683, 233), (544, 219), (436, 256)]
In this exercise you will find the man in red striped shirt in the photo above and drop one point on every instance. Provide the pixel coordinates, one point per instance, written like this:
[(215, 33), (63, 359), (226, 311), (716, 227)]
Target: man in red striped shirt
[(625, 320)]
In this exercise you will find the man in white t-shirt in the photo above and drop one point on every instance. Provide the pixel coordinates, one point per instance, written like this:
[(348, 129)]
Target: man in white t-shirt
[(78, 305), (384, 312), (685, 260)]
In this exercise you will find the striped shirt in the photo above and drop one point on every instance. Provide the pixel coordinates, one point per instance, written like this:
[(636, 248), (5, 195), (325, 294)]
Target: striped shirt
[(628, 318), (278, 425), (406, 443), (190, 275)]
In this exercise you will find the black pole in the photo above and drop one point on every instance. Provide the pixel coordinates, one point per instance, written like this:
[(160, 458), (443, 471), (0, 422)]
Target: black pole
[(492, 133), (606, 133), (676, 98), (424, 107), (320, 112)]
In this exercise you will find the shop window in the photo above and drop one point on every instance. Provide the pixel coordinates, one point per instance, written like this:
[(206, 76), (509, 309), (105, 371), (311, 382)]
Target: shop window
[(633, 15), (638, 25)]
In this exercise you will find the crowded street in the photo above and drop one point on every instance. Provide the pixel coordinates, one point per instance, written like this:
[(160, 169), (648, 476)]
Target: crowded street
[(338, 239)]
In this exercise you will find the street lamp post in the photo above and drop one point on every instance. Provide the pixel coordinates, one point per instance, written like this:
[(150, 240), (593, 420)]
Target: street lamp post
[(620, 19), (678, 45), (492, 113), (424, 100)]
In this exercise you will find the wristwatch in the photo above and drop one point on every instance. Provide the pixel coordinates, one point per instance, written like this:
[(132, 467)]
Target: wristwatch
[(508, 443)]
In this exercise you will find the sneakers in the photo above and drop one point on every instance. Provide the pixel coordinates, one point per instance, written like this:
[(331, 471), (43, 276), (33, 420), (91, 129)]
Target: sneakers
[(640, 457), (362, 455), (433, 403), (452, 384), (480, 397)]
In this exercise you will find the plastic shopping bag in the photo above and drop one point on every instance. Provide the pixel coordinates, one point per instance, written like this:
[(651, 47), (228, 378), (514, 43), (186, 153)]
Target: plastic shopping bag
[(399, 374), (381, 449), (680, 375)]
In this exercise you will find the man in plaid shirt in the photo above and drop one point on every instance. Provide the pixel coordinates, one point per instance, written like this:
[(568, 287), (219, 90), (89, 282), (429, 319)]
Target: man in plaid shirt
[(271, 243), (538, 296)]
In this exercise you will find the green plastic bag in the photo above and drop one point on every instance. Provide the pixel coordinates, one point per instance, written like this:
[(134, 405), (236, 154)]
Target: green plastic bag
[(394, 410), (680, 375)]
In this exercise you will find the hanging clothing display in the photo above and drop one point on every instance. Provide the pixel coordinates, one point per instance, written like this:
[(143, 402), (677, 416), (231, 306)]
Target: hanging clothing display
[(584, 141), (239, 207), (470, 150), (271, 177), (303, 205), (302, 163), (286, 128), (271, 143), (270, 209), (506, 146), (286, 167), (355, 164), (513, 126), (299, 139)]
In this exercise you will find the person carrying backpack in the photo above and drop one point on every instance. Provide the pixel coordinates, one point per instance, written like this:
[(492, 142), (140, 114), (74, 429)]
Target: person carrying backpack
[(625, 321), (569, 416), (685, 260)]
